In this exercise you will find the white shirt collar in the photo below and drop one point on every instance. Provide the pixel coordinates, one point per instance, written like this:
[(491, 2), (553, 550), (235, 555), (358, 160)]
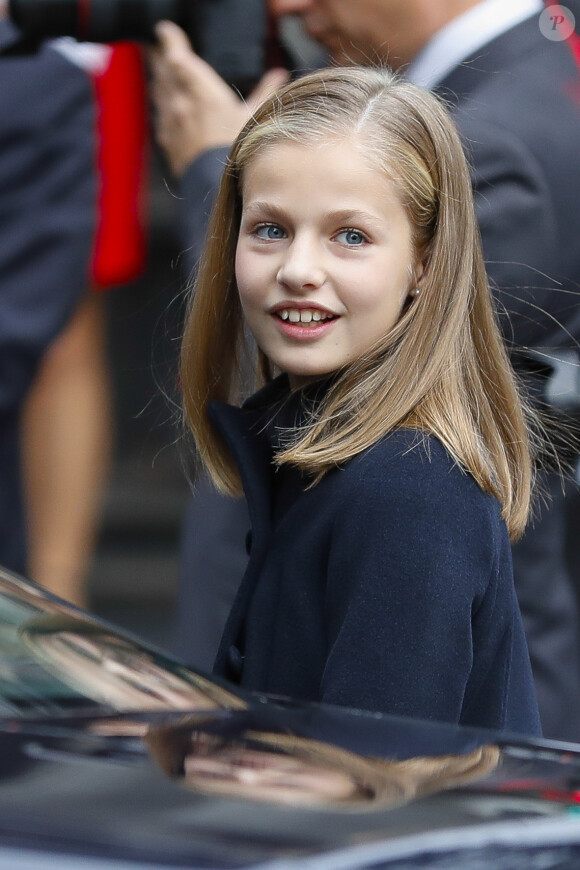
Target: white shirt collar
[(464, 35)]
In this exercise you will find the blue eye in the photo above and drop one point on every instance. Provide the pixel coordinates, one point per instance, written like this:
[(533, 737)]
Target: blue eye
[(353, 238), (271, 232)]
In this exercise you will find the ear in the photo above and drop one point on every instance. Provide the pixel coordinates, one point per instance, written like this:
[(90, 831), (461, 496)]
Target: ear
[(415, 284), (418, 271)]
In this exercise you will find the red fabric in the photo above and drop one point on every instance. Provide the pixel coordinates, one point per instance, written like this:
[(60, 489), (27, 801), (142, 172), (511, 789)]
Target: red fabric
[(122, 133)]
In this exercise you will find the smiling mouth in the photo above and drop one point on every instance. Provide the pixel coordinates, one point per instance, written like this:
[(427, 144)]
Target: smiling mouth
[(308, 317)]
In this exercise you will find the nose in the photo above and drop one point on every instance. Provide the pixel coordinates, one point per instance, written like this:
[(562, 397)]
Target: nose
[(289, 7), (302, 268)]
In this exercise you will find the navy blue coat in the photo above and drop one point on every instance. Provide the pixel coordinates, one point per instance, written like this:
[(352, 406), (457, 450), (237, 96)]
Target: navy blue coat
[(386, 587)]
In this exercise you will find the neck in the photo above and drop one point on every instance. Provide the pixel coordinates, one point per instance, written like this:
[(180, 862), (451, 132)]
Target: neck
[(445, 11), (419, 24)]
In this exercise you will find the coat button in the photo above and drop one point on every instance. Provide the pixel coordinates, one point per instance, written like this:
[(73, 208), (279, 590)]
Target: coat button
[(235, 662)]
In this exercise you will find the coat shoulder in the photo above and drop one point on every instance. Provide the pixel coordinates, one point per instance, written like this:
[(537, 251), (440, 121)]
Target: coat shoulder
[(410, 478), (411, 464)]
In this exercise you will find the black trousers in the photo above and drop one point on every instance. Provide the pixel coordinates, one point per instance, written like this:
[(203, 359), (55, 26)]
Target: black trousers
[(549, 608)]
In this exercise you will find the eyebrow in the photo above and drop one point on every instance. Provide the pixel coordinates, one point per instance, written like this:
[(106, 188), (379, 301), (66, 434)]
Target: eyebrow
[(262, 208), (354, 215), (345, 216)]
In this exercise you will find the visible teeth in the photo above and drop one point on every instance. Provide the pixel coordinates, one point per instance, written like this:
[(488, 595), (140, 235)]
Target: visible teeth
[(305, 315)]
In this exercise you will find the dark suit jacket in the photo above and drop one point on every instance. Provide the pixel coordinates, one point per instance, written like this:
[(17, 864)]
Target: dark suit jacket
[(517, 106), (386, 587), (47, 217)]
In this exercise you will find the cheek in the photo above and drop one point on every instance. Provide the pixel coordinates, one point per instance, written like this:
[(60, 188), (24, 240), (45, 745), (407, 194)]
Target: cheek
[(378, 310), (253, 277)]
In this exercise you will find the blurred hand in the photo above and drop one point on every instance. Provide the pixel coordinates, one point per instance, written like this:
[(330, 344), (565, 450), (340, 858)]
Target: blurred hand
[(195, 109)]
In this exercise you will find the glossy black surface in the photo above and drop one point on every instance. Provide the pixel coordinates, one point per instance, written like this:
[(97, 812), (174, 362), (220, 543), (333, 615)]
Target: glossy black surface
[(111, 752)]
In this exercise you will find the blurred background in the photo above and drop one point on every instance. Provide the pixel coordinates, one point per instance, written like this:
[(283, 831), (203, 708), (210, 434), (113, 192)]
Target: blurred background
[(133, 576)]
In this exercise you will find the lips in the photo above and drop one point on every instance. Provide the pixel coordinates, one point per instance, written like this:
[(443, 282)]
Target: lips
[(304, 324), (303, 321)]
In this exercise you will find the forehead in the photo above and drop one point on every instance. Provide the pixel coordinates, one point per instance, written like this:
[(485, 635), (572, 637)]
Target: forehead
[(345, 157), (322, 177)]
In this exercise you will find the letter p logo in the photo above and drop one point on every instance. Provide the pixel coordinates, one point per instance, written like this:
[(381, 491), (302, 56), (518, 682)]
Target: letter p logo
[(557, 22)]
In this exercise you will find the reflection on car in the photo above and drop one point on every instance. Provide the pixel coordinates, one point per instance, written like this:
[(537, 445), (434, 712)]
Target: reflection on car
[(111, 750)]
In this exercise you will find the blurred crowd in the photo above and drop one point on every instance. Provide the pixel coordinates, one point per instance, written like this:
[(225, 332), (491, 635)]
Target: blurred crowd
[(95, 137)]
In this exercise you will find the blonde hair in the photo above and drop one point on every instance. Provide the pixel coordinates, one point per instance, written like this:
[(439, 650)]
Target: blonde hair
[(442, 368), (386, 782), (377, 782)]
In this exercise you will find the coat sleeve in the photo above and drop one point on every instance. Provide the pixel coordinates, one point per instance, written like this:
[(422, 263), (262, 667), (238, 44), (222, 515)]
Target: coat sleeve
[(517, 218), (413, 558), (198, 189)]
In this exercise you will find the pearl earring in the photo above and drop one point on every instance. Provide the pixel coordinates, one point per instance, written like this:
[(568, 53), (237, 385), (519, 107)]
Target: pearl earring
[(415, 291)]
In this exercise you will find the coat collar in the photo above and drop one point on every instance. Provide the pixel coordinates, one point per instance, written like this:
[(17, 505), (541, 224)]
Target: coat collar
[(243, 430), (255, 432)]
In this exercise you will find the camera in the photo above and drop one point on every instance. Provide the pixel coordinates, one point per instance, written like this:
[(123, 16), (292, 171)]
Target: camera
[(231, 35)]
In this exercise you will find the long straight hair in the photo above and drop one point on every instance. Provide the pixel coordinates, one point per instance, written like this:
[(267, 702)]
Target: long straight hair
[(442, 368)]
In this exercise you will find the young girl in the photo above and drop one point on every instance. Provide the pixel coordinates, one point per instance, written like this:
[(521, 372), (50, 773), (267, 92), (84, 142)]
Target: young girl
[(388, 459)]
